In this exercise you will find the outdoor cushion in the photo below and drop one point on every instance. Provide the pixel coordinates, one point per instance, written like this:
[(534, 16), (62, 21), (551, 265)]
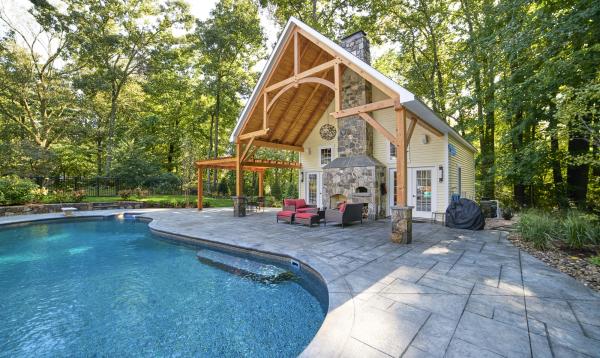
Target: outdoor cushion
[(300, 203), (305, 215), (285, 213), (289, 202), (306, 210), (342, 207)]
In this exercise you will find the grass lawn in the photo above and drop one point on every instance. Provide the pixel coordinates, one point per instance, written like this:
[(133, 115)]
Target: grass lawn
[(214, 202)]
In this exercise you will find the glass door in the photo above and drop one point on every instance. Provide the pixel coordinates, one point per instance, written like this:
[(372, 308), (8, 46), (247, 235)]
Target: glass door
[(313, 189), (422, 188)]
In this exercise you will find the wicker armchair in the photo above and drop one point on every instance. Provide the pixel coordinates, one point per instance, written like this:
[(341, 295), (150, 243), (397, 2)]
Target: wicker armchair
[(348, 213)]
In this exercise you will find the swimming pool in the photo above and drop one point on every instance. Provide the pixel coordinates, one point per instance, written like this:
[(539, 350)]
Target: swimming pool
[(107, 287)]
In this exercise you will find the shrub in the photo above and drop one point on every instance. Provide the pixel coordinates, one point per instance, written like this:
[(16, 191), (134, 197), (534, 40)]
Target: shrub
[(166, 183), (125, 194), (140, 193), (538, 228), (15, 191), (507, 213), (66, 196), (595, 260), (578, 230)]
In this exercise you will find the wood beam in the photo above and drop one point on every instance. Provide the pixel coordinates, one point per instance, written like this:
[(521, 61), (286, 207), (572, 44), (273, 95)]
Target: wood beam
[(265, 110), (319, 80), (199, 190), (378, 127), (296, 57), (401, 162), (337, 80), (208, 162), (427, 126), (411, 129), (304, 74), (239, 175), (379, 84), (261, 180), (369, 107), (279, 122), (295, 148), (270, 76), (248, 146), (257, 133), (265, 163)]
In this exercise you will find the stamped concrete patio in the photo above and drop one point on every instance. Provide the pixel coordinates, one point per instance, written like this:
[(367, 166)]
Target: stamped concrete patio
[(451, 293)]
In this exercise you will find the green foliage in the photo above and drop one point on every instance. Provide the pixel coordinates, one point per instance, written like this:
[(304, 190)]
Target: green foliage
[(538, 227), (166, 183), (574, 229), (595, 260), (15, 191), (276, 190), (65, 196), (579, 230)]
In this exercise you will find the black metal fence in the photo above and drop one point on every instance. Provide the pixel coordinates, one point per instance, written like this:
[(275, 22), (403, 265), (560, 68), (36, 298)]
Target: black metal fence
[(97, 186)]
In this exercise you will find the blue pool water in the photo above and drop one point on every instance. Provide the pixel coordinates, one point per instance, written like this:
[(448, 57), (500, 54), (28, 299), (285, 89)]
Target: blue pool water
[(110, 288)]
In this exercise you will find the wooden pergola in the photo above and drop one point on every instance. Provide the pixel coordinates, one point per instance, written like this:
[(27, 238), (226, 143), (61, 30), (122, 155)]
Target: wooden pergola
[(302, 77)]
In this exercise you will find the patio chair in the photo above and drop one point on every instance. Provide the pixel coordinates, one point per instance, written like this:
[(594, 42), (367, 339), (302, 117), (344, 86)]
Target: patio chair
[(346, 214), (299, 206)]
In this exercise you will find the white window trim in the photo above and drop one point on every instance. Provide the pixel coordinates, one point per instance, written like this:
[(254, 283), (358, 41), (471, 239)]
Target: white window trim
[(392, 159), (330, 147)]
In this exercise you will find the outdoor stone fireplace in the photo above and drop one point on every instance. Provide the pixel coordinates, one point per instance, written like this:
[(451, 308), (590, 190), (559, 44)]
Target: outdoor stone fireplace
[(355, 174)]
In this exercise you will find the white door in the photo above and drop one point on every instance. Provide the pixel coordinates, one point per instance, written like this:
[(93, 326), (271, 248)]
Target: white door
[(421, 190), (313, 188)]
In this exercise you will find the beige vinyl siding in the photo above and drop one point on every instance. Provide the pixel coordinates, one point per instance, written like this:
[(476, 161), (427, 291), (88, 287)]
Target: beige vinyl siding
[(419, 154), (310, 158), (464, 158)]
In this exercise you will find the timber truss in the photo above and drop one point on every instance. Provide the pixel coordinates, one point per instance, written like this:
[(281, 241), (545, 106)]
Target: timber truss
[(302, 80)]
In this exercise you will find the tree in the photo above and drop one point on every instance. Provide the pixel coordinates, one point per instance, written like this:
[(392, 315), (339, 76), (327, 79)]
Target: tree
[(35, 92), (231, 42), (113, 41)]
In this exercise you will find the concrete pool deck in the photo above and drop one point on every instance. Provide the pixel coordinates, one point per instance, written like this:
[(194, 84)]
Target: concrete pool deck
[(452, 293)]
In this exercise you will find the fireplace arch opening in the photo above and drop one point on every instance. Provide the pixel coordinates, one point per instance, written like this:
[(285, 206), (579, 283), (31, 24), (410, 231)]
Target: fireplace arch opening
[(337, 199)]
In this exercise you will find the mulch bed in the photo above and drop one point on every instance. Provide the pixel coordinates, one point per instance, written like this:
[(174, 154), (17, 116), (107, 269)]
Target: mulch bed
[(572, 262)]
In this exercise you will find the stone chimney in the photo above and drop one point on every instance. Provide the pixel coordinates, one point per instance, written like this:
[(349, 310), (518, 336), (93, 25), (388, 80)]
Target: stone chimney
[(355, 135), (355, 176)]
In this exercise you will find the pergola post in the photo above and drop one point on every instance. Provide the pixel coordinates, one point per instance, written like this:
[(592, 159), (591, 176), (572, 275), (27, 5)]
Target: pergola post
[(200, 191), (401, 213), (239, 200), (261, 183)]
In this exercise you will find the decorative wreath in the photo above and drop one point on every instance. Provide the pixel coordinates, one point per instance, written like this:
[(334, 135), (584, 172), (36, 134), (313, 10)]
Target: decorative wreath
[(327, 131)]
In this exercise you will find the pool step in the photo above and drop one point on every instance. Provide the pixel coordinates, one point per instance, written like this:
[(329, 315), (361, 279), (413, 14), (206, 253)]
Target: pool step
[(244, 267)]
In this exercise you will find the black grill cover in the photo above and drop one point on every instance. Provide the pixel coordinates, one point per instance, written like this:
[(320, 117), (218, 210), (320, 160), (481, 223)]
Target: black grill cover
[(464, 214)]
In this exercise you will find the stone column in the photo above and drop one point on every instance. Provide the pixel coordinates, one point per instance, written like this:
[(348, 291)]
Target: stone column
[(239, 205), (401, 224)]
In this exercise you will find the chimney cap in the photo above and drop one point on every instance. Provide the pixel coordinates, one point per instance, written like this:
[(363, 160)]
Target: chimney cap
[(356, 34)]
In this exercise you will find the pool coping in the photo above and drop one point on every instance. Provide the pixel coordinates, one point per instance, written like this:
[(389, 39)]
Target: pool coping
[(327, 337)]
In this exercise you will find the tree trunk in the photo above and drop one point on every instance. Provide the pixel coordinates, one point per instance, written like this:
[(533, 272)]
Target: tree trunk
[(99, 157), (111, 126), (557, 177), (577, 174), (217, 112)]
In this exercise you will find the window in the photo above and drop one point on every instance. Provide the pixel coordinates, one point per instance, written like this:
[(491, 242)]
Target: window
[(325, 155), (392, 151), (459, 178)]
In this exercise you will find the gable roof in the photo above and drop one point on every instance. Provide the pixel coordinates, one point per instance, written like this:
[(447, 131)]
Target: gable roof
[(407, 99)]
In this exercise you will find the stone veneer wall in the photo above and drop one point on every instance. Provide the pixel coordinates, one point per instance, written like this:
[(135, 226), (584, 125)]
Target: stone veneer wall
[(345, 181), (355, 135), (56, 208)]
